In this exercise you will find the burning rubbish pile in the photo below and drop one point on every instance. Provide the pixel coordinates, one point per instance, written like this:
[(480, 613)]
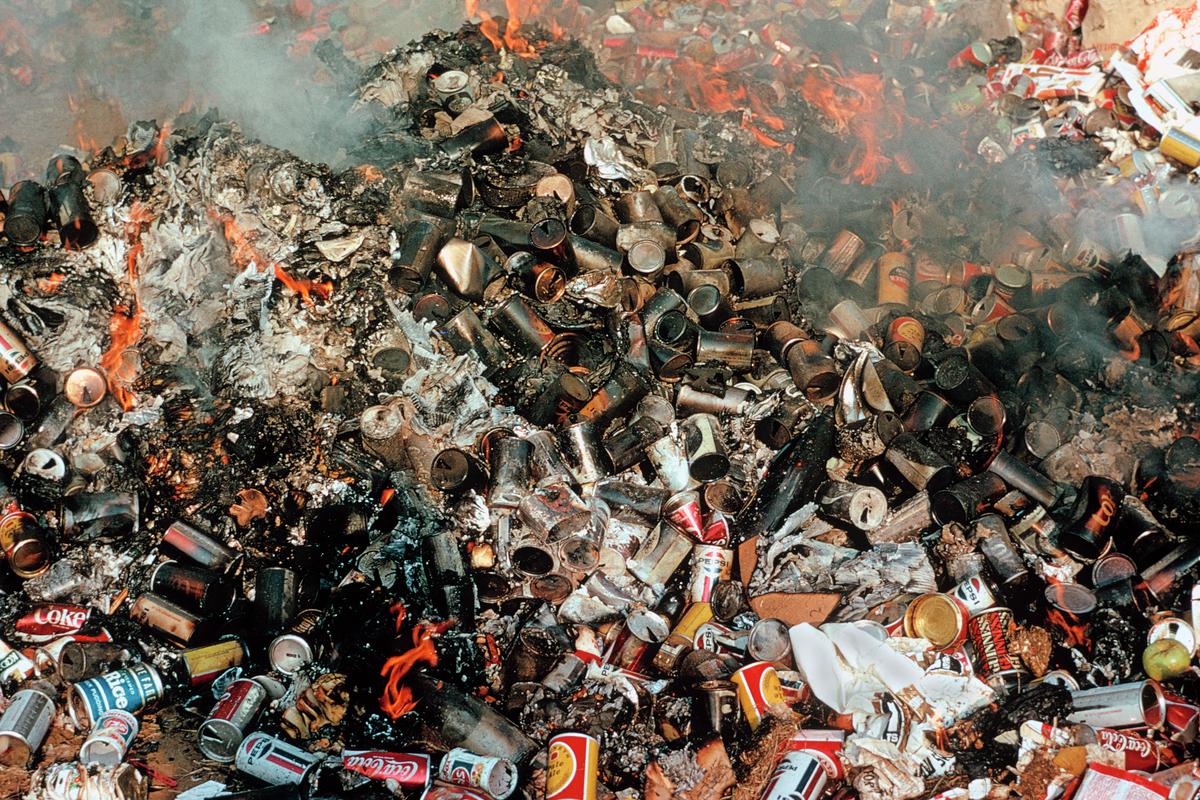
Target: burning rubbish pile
[(728, 401)]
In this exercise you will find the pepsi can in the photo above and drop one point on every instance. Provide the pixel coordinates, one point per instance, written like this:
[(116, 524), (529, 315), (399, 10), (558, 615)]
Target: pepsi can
[(274, 761)]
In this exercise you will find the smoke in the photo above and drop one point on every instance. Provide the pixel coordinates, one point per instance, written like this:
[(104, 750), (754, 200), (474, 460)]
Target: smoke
[(98, 66)]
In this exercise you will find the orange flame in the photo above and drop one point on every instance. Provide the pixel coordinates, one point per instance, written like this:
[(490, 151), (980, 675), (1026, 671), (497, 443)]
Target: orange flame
[(243, 252), (857, 106), (125, 326), (557, 17), (397, 699), (160, 152), (51, 283)]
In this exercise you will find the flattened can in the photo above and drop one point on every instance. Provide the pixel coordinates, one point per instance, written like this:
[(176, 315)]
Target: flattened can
[(409, 770), (496, 776), (995, 663), (274, 761), (131, 689), (798, 776), (757, 688), (710, 564), (24, 726), (201, 665), (574, 765), (975, 594), (219, 736), (110, 738)]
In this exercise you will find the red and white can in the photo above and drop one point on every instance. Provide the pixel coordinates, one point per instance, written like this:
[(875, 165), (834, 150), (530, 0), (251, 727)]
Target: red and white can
[(995, 662), (825, 745), (496, 776), (1137, 752), (757, 688), (574, 765), (50, 621), (798, 776), (110, 738), (408, 770), (710, 563), (975, 594), (274, 761), (219, 736)]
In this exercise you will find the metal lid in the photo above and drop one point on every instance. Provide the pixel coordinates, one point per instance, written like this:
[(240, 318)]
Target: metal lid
[(85, 387), (451, 81), (1071, 597), (288, 653), (646, 257)]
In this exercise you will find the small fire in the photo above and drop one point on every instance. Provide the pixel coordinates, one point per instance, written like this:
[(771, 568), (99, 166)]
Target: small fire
[(397, 699), (243, 252), (160, 152), (557, 17), (51, 283), (857, 106), (125, 326)]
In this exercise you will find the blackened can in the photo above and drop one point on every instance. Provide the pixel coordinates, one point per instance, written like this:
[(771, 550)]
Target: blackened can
[(110, 738), (274, 761), (574, 766), (200, 665), (995, 663), (219, 736), (24, 726), (199, 546), (131, 689), (201, 589), (798, 776), (169, 619)]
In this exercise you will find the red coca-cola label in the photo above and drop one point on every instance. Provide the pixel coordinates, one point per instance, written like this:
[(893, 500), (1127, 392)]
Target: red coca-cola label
[(52, 620), (410, 770), (1138, 752)]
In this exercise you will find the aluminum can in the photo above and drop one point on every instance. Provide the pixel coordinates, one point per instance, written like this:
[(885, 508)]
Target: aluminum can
[(219, 736), (975, 594), (574, 764), (496, 776), (201, 665), (798, 776), (170, 619), (994, 663), (290, 651), (409, 770), (1137, 752), (15, 666), (710, 564), (826, 746), (199, 546), (757, 689), (110, 738), (1123, 705), (131, 689), (16, 360), (24, 726), (274, 761), (47, 622)]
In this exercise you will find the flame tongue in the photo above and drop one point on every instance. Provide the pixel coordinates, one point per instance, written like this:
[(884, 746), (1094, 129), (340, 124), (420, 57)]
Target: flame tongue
[(397, 699), (125, 326), (243, 252), (857, 106)]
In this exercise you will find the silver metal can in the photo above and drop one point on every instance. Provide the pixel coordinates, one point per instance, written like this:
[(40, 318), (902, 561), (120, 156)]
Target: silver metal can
[(274, 761), (24, 726), (219, 736), (110, 738)]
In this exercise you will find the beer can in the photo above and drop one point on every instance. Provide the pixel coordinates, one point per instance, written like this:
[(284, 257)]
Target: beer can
[(757, 688), (15, 666), (219, 736), (172, 620), (894, 271), (710, 564), (24, 726), (290, 651), (16, 360), (975, 594), (131, 689), (496, 776), (110, 738), (201, 665), (798, 776), (274, 761), (24, 544), (905, 342), (1122, 705), (199, 547), (409, 770), (825, 745), (574, 760), (939, 618), (995, 663), (50, 621)]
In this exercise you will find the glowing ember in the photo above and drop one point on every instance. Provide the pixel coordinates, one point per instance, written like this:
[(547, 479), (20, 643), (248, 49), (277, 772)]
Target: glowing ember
[(243, 252), (51, 283), (397, 699), (160, 145)]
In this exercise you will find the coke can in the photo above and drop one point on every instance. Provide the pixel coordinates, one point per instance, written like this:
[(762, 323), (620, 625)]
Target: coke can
[(496, 776), (1137, 752), (710, 564), (757, 688), (409, 770), (24, 726), (574, 764), (826, 746), (201, 665), (50, 621), (798, 776), (274, 761), (219, 736), (110, 738), (975, 594), (995, 663), (131, 689)]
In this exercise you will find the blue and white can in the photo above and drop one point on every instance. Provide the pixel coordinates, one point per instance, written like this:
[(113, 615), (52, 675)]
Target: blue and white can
[(110, 738), (130, 688)]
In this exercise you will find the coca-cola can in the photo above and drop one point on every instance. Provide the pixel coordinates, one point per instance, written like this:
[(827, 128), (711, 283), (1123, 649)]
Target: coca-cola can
[(52, 620), (110, 738), (24, 726), (757, 688), (496, 776), (710, 563), (1137, 752), (219, 736), (408, 770), (798, 776), (825, 745), (274, 761), (975, 594)]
